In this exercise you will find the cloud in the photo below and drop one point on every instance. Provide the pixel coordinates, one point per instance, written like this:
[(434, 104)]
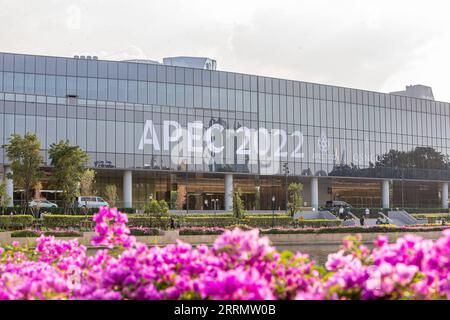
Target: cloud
[(377, 45)]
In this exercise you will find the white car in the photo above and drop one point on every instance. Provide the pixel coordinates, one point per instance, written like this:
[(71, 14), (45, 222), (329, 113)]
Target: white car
[(91, 202), (40, 203)]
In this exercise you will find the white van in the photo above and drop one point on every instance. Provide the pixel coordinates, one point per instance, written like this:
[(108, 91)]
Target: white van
[(91, 202)]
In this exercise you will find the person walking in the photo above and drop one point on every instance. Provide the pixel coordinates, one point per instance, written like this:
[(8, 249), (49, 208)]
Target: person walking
[(341, 212), (361, 220), (367, 212)]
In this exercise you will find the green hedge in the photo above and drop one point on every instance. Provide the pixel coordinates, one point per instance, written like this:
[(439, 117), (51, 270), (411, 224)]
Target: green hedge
[(433, 217), (66, 221), (200, 231), (224, 221), (371, 229), (256, 222), (135, 220), (145, 232), (37, 233), (317, 223), (76, 221), (16, 221), (426, 210), (140, 220), (200, 221)]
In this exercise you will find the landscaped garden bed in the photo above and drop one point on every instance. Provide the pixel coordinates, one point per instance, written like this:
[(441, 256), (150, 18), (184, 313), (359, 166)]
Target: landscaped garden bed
[(350, 229), (51, 221), (142, 231), (433, 217), (239, 265), (27, 233)]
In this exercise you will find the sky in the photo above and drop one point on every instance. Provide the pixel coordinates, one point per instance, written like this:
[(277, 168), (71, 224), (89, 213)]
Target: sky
[(373, 45)]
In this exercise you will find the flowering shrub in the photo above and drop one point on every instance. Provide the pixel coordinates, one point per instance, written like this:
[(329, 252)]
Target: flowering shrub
[(201, 231), (36, 233), (341, 229), (240, 265), (143, 231)]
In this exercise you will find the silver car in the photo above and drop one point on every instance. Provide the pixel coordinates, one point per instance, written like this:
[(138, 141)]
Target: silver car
[(40, 203), (91, 202)]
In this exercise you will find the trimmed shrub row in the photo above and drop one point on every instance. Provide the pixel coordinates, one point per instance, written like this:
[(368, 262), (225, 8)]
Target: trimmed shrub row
[(67, 221), (77, 221), (52, 221), (374, 229), (148, 221), (36, 233), (140, 231), (433, 217), (371, 229), (16, 222), (426, 210)]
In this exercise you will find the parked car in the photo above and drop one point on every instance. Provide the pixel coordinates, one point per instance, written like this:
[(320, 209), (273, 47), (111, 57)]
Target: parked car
[(41, 203), (384, 220), (91, 202), (337, 204), (104, 164)]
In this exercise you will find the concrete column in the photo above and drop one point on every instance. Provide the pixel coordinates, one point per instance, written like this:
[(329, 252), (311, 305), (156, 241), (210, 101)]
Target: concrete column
[(128, 189), (229, 192), (315, 193), (385, 194), (444, 195), (9, 186)]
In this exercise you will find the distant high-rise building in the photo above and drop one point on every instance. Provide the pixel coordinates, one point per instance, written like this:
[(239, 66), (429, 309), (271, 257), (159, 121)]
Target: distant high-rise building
[(416, 91), (191, 62)]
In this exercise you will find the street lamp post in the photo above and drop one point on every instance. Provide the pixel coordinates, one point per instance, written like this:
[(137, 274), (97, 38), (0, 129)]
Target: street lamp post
[(257, 197), (273, 211), (286, 172)]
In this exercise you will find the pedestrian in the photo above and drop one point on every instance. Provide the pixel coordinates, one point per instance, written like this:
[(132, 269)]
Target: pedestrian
[(367, 212), (361, 220), (341, 212), (75, 206), (172, 223)]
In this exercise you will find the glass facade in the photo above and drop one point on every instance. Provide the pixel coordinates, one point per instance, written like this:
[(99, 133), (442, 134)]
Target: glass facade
[(125, 114)]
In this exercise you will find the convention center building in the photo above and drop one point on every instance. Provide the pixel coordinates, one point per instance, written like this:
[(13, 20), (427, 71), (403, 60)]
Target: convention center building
[(183, 131)]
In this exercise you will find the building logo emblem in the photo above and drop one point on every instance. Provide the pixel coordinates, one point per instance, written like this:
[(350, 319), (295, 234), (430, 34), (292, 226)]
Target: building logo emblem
[(323, 143), (324, 147)]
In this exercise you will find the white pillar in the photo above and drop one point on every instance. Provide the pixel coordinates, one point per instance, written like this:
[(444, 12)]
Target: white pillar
[(9, 186), (128, 189), (315, 193), (385, 194), (229, 192), (444, 195)]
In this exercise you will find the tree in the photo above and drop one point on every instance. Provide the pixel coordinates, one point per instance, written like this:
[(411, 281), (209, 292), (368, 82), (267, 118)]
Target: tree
[(26, 161), (87, 183), (157, 208), (164, 208), (69, 166), (4, 197), (257, 193), (38, 190), (173, 199), (238, 205), (296, 199), (181, 197), (111, 194)]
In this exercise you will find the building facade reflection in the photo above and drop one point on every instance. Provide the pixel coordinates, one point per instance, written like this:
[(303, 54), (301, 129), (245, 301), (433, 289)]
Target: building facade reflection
[(207, 124)]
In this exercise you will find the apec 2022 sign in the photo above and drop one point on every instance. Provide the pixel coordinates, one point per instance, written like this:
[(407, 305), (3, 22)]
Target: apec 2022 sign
[(196, 144)]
